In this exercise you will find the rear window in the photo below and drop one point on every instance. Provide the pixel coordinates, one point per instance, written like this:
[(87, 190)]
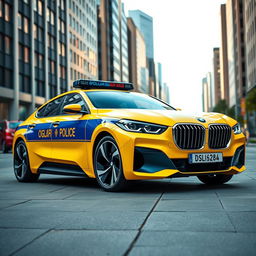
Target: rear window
[(126, 100), (13, 125)]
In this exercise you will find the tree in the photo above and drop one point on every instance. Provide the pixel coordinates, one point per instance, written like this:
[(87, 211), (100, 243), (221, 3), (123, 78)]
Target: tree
[(251, 101), (221, 107)]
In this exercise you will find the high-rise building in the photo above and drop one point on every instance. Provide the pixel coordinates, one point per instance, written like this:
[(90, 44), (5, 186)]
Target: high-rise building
[(224, 82), (144, 23), (165, 93), (112, 41), (124, 43), (216, 73), (159, 80), (250, 39), (33, 64), (207, 93), (83, 40), (37, 59), (236, 53), (138, 72)]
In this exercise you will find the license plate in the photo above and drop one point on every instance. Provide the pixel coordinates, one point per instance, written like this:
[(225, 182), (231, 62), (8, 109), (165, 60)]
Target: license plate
[(205, 158)]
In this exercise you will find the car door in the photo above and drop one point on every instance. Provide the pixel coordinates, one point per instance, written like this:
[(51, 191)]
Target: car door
[(68, 132), (39, 133)]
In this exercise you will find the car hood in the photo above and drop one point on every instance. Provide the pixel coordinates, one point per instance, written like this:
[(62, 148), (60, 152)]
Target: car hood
[(166, 117)]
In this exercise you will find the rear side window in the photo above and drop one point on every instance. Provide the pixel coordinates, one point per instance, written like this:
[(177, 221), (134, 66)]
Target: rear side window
[(51, 109)]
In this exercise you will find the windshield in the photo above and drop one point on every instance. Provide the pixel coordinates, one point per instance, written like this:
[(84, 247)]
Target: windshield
[(127, 100), (13, 125)]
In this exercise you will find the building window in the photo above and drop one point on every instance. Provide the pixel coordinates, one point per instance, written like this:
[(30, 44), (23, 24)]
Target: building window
[(7, 10), (62, 5), (7, 42), (52, 67), (1, 8), (62, 72), (19, 21), (20, 52), (25, 25), (26, 54), (48, 15), (61, 49), (40, 7), (71, 73), (40, 34), (8, 78), (52, 17), (39, 60), (35, 31)]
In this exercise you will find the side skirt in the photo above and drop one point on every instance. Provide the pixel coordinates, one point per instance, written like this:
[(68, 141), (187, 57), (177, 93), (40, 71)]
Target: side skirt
[(61, 169)]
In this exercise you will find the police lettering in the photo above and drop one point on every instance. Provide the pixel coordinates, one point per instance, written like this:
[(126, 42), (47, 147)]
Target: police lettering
[(45, 133), (67, 132)]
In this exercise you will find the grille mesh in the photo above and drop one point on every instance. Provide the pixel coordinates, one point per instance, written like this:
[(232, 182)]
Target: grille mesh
[(189, 136), (219, 135)]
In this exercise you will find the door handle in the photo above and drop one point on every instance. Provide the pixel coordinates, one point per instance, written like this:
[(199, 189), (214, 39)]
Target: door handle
[(31, 126), (56, 123)]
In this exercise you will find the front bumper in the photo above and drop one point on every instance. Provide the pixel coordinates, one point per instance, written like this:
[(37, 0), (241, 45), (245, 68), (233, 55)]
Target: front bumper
[(157, 156), (152, 161)]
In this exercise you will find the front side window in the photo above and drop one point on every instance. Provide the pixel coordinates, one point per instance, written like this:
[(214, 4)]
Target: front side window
[(74, 98), (125, 100)]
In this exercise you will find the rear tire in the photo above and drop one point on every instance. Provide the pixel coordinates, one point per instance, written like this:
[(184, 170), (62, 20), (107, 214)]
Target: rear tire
[(215, 179), (21, 164), (108, 167)]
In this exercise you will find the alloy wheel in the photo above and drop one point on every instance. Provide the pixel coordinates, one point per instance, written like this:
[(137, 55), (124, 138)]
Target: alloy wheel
[(20, 161), (108, 164)]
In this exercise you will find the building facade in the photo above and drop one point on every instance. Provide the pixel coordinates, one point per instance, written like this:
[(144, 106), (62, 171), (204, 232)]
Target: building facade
[(207, 93), (224, 82), (34, 54), (43, 45), (236, 53), (250, 40), (82, 41), (144, 23), (138, 72), (112, 41), (216, 74)]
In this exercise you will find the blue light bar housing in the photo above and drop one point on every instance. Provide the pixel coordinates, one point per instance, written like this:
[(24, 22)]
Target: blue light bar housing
[(94, 84)]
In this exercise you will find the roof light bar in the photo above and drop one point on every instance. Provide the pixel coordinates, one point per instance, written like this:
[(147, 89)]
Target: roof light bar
[(94, 84)]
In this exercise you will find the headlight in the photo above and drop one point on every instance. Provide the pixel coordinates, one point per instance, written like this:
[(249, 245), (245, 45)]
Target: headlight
[(134, 126), (237, 129)]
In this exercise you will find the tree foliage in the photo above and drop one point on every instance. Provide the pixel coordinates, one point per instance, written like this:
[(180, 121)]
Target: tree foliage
[(251, 101)]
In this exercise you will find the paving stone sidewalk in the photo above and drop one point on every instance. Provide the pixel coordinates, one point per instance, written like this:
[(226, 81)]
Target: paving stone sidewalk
[(71, 216)]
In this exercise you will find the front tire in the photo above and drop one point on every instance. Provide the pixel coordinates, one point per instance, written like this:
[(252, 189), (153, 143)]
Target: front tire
[(108, 167), (21, 164), (215, 179)]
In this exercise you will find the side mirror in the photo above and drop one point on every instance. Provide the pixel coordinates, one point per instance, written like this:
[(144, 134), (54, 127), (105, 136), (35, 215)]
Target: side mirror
[(73, 108), (178, 109)]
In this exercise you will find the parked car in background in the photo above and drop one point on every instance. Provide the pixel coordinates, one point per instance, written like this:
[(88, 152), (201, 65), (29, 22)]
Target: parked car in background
[(7, 130)]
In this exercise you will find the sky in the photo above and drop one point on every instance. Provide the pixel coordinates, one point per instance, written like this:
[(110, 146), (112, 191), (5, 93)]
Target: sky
[(185, 33)]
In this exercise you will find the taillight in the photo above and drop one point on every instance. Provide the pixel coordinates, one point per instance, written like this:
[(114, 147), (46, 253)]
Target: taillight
[(8, 132)]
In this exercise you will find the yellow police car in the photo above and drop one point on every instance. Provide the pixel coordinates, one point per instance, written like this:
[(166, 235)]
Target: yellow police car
[(103, 130)]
